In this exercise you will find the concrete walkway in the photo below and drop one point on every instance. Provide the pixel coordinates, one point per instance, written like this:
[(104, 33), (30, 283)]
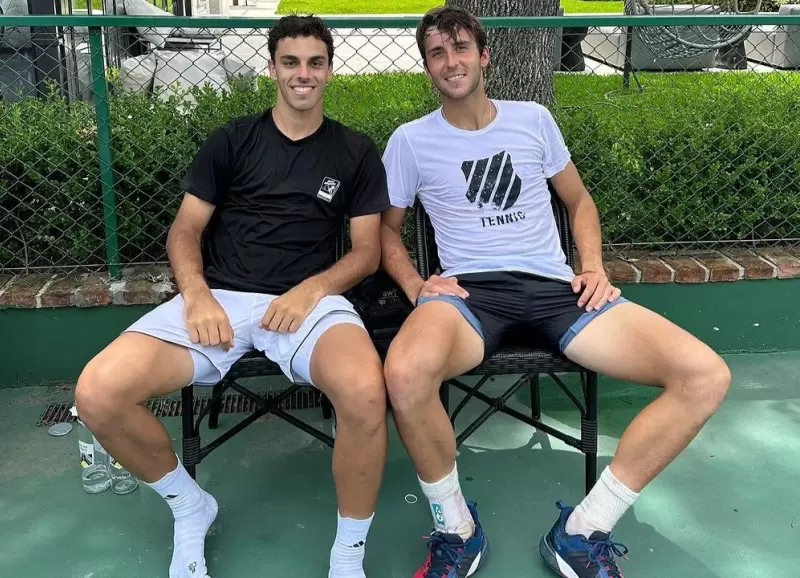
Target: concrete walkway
[(254, 8)]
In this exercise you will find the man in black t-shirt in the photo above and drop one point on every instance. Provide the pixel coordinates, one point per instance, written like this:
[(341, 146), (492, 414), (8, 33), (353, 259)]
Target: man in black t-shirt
[(253, 251)]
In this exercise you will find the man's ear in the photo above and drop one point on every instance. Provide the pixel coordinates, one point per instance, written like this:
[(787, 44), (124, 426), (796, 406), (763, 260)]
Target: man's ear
[(427, 71)]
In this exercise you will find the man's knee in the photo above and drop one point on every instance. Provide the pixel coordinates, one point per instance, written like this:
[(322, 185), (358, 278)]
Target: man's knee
[(717, 376), (706, 383), (413, 378), (360, 400), (130, 370), (97, 394), (436, 342)]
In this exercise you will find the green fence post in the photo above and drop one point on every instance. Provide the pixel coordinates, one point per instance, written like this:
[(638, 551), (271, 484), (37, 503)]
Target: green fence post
[(103, 114)]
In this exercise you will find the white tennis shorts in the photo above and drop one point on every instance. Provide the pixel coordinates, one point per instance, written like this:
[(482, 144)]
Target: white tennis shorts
[(291, 351)]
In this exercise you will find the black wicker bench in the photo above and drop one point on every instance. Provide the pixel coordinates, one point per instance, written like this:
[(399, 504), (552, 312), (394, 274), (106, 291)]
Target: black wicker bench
[(511, 359)]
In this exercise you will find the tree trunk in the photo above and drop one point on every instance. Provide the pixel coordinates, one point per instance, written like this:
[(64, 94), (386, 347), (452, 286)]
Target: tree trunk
[(521, 60)]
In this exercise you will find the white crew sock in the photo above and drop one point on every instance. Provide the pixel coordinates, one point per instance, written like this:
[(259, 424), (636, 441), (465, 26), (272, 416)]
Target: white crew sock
[(194, 511), (347, 553), (450, 512), (602, 508)]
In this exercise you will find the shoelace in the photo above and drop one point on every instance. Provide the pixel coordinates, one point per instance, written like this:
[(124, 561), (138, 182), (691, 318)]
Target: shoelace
[(604, 552), (444, 555)]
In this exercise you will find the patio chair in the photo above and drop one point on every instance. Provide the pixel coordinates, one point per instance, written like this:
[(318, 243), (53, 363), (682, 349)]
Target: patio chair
[(689, 41), (516, 358)]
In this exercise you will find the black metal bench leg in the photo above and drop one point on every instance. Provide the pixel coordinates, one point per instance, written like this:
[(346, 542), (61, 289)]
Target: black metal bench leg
[(444, 396), (191, 436), (589, 430), (327, 408), (216, 406), (536, 402)]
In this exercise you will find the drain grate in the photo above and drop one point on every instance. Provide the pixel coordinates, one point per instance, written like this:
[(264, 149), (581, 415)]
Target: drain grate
[(172, 407)]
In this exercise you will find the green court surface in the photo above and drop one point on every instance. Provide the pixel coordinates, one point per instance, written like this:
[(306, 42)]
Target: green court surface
[(729, 507)]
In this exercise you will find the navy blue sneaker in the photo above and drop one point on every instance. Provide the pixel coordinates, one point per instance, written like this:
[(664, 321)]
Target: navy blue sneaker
[(576, 557), (450, 557)]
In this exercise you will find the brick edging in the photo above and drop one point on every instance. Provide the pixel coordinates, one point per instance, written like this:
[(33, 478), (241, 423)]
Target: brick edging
[(703, 267), (154, 285), (137, 286)]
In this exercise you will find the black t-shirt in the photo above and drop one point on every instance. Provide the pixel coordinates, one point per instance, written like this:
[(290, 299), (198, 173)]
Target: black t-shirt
[(280, 204)]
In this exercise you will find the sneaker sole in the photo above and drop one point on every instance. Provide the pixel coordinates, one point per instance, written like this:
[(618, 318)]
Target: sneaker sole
[(553, 560)]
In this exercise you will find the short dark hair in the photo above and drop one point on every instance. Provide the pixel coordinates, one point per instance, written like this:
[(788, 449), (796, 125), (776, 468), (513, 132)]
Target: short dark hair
[(449, 20), (295, 25)]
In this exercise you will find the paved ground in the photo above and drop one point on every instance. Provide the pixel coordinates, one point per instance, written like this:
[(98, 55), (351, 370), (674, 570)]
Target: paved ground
[(728, 508)]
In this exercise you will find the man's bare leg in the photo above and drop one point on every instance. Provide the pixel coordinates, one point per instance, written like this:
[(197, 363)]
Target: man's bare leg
[(109, 398), (629, 342), (435, 343), (346, 367), (111, 389)]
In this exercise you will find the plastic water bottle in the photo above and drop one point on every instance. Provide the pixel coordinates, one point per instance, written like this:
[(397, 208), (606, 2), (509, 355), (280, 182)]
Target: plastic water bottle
[(122, 481), (94, 460)]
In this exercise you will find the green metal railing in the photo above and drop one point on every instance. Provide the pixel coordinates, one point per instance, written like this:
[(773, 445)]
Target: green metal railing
[(104, 150), (664, 167)]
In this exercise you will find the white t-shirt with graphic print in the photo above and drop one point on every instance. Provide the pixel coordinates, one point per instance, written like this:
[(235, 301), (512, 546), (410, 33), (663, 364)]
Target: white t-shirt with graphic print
[(484, 190)]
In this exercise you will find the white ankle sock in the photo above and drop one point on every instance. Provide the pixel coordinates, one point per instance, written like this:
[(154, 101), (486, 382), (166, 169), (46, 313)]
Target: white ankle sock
[(194, 511), (602, 508), (450, 512), (347, 553)]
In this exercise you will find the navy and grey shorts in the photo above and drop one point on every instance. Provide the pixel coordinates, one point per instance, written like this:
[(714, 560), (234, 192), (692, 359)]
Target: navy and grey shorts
[(541, 310)]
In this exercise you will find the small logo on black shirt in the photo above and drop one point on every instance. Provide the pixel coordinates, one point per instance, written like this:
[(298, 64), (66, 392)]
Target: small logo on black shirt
[(328, 188)]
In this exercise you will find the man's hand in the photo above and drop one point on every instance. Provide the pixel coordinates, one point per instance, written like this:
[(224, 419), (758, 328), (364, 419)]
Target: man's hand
[(286, 313), (206, 320), (596, 290), (436, 285)]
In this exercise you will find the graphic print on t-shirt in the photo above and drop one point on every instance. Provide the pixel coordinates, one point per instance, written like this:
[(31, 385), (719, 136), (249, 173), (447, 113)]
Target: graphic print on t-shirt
[(485, 192), (507, 191), (328, 188)]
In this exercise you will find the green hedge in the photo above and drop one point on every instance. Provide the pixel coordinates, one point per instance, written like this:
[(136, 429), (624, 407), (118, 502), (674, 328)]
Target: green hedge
[(695, 157)]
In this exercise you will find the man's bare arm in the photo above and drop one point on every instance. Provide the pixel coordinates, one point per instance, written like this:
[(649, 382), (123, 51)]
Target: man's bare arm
[(399, 266), (183, 244), (583, 216), (394, 255), (592, 282), (361, 261), (206, 321)]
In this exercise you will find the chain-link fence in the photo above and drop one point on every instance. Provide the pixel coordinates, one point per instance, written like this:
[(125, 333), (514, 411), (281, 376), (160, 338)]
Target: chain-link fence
[(100, 117)]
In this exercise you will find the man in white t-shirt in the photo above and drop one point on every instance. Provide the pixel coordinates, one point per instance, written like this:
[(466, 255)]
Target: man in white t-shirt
[(481, 167)]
